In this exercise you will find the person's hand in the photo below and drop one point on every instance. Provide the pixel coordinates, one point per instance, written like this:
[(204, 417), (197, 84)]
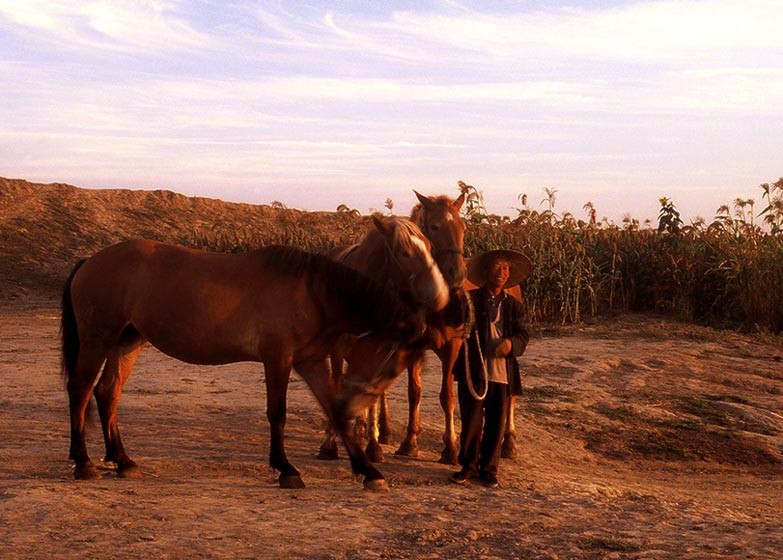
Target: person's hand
[(503, 348)]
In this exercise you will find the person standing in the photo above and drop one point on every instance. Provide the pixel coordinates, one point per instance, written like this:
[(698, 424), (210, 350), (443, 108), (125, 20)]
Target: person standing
[(498, 337)]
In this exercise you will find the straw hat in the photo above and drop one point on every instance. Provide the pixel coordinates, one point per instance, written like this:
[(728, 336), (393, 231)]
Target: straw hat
[(518, 264)]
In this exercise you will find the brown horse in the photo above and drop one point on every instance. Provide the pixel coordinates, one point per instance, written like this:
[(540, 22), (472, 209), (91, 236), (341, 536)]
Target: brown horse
[(440, 221), (445, 334), (396, 252), (278, 305)]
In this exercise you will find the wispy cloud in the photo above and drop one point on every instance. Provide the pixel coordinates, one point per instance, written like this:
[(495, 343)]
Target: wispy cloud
[(635, 31), (129, 26)]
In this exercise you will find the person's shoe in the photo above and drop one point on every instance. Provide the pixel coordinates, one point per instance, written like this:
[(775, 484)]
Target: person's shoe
[(489, 480), (462, 476)]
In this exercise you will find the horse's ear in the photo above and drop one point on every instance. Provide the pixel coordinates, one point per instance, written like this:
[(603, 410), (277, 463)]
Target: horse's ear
[(381, 225), (425, 200), (457, 204)]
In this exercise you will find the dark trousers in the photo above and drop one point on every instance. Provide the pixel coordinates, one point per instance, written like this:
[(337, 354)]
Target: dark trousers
[(483, 423)]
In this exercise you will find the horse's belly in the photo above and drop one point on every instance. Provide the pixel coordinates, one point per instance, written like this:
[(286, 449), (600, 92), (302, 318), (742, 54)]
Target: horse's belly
[(202, 354), (206, 345)]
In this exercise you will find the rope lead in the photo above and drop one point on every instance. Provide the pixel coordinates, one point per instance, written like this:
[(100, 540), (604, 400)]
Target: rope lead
[(484, 374)]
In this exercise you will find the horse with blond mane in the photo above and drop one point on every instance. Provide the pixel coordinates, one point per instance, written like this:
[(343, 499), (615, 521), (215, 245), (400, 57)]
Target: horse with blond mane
[(442, 230), (396, 252)]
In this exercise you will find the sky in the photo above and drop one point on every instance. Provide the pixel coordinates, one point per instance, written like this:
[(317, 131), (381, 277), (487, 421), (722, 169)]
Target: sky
[(317, 104)]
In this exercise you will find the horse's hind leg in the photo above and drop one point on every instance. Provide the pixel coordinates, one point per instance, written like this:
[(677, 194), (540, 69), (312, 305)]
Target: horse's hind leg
[(118, 367), (384, 420), (508, 449), (80, 382)]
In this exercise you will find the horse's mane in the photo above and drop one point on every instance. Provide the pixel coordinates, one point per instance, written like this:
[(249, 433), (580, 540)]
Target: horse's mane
[(404, 234), (405, 231), (365, 304)]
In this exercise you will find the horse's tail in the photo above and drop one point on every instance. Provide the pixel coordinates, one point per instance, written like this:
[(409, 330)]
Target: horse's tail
[(69, 333)]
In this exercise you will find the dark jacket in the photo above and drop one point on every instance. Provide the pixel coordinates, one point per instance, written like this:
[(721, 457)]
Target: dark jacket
[(513, 329)]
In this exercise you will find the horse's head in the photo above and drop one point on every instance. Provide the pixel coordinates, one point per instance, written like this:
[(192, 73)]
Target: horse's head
[(439, 219), (453, 323), (373, 363), (412, 268)]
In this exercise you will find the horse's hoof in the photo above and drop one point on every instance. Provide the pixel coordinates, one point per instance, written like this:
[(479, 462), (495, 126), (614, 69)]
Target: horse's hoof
[(448, 457), (86, 471), (291, 481), (408, 449), (374, 453), (327, 454), (131, 470), (376, 485), (508, 450)]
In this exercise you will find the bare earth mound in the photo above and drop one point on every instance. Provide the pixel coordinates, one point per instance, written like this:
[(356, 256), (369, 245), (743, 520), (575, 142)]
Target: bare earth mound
[(45, 229)]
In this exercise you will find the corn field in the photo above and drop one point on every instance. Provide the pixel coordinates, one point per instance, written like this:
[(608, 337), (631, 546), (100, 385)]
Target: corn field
[(728, 273)]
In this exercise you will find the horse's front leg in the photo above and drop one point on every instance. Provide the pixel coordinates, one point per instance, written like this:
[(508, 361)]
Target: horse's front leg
[(374, 450), (328, 449), (410, 445), (448, 400), (346, 419), (342, 413), (277, 374)]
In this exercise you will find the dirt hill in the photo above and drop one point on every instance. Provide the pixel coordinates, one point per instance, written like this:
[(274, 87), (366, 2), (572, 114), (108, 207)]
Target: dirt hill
[(45, 228)]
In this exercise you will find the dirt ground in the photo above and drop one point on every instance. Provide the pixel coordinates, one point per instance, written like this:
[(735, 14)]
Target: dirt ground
[(638, 438)]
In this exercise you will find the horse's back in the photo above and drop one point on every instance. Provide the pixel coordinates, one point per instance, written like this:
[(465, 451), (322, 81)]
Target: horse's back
[(103, 281), (194, 305), (140, 269)]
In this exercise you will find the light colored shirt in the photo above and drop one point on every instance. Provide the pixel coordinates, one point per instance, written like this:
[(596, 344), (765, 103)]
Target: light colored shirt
[(496, 367)]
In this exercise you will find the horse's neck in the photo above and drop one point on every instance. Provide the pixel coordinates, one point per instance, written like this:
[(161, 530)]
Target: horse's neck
[(342, 254)]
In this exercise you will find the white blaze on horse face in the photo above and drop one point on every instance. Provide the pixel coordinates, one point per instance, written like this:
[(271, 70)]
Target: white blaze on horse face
[(439, 296)]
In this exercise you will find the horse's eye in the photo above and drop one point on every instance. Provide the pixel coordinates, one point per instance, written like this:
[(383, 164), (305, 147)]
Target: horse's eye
[(434, 227)]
